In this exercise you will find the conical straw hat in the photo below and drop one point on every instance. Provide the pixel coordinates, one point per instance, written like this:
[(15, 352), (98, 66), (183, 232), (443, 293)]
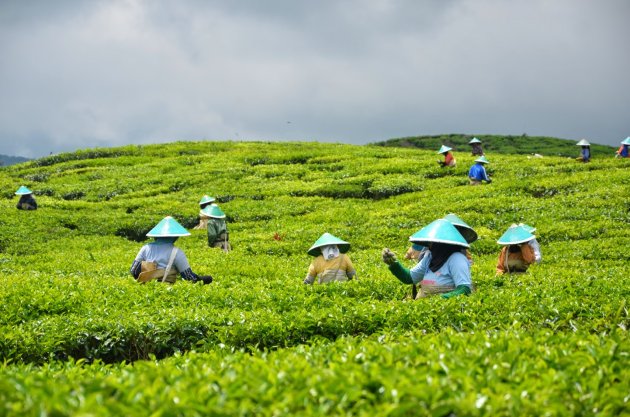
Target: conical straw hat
[(206, 199), (583, 142), (444, 149), (23, 190), (515, 235), (213, 211), (474, 140), (328, 239), (462, 227), (626, 141), (168, 227), (530, 229), (482, 159), (439, 231)]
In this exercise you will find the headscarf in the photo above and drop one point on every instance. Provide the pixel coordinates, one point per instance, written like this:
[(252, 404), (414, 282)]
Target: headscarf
[(330, 252), (166, 239), (440, 252)]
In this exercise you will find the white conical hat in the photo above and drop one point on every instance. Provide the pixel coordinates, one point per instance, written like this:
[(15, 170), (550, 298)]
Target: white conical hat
[(583, 142)]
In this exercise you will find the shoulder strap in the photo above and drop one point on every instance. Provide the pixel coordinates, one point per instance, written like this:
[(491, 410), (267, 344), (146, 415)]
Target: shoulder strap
[(170, 263)]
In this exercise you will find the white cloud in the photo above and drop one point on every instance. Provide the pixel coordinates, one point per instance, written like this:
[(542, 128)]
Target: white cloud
[(84, 74)]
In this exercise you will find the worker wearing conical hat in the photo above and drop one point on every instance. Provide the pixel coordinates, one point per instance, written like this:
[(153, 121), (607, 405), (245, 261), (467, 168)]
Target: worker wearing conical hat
[(161, 260), (331, 262), (518, 251), (27, 201), (476, 147), (203, 218), (624, 151), (218, 236), (477, 172), (449, 159), (444, 269), (585, 155)]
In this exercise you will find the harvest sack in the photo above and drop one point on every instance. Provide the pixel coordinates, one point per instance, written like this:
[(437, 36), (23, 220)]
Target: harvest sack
[(149, 271)]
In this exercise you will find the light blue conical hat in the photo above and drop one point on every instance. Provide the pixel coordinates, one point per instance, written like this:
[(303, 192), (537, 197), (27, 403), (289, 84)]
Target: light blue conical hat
[(440, 231), (23, 190), (328, 239), (583, 142), (462, 227), (213, 211), (168, 227), (482, 159), (474, 140), (530, 229), (515, 235), (206, 199), (626, 141), (444, 149)]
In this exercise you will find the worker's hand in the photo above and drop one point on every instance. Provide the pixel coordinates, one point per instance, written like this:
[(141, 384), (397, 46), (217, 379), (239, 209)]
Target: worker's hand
[(389, 257)]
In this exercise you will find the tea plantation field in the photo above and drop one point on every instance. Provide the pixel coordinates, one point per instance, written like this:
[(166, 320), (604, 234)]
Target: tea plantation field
[(78, 336)]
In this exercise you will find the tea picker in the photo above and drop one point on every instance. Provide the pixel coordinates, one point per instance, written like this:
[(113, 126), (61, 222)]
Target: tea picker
[(27, 201), (520, 249), (585, 154), (476, 147), (203, 218), (161, 260), (444, 269), (331, 262), (449, 159), (218, 236), (623, 151), (477, 172)]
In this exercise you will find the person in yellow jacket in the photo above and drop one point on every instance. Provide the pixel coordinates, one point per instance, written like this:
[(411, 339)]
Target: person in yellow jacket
[(331, 262), (519, 250)]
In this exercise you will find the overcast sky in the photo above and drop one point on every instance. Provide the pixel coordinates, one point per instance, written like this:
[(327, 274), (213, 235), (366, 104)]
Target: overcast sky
[(81, 74)]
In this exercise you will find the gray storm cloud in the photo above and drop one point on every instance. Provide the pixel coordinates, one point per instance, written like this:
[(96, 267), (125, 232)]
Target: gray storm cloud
[(85, 74)]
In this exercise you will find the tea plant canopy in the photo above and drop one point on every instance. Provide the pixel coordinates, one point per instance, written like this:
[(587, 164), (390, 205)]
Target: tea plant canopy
[(23, 190), (439, 231), (328, 239), (168, 227), (515, 235)]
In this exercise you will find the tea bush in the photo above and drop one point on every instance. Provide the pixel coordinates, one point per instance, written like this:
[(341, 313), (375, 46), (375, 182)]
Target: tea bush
[(79, 336)]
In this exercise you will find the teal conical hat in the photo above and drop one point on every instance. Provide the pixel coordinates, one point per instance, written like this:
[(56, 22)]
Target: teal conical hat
[(444, 149), (583, 142), (515, 235), (474, 140), (626, 141), (462, 227), (206, 199), (328, 239), (528, 228), (482, 159), (23, 190), (213, 211), (440, 231), (168, 227)]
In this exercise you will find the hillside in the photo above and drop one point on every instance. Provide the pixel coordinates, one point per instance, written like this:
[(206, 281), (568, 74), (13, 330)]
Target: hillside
[(6, 160), (78, 336), (516, 145)]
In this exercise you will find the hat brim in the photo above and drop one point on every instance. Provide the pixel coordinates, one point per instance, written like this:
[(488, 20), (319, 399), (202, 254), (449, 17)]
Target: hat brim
[(316, 250), (516, 242), (426, 241), (469, 234)]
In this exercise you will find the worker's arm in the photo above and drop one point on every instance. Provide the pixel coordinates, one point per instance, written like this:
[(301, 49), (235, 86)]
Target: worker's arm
[(459, 290)]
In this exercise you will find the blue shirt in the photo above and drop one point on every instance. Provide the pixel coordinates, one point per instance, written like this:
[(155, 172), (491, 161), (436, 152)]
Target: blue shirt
[(455, 271), (478, 172), (586, 153)]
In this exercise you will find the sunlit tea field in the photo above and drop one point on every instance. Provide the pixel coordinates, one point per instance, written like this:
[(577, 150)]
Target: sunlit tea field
[(78, 336)]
